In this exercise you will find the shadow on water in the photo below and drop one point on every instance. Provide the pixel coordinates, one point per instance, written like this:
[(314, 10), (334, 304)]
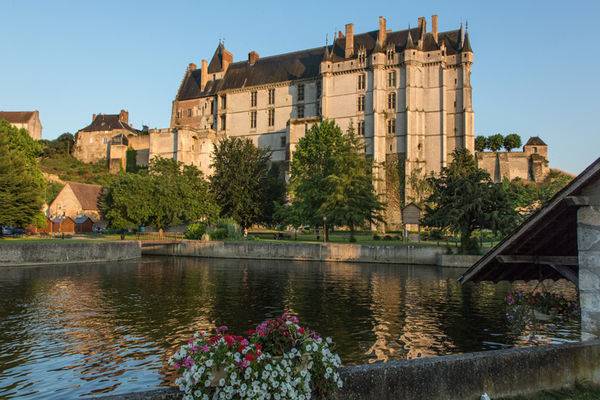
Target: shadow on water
[(81, 330)]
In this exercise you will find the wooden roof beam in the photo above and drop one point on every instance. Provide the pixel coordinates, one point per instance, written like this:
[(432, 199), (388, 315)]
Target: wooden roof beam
[(543, 260)]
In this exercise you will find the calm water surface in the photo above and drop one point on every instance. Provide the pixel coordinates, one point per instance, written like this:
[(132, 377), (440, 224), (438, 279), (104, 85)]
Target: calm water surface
[(86, 330)]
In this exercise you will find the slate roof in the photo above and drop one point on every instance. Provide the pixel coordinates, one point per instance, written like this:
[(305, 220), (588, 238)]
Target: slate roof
[(535, 141), (107, 122), (302, 64), (17, 117), (86, 194)]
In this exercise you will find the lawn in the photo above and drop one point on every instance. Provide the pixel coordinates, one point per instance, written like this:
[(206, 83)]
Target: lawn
[(579, 392)]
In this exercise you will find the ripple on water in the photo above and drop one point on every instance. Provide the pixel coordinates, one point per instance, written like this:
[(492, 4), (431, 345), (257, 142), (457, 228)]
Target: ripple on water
[(88, 330)]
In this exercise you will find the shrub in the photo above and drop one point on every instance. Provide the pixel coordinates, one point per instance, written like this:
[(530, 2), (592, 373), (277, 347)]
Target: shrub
[(231, 228), (217, 233), (195, 231)]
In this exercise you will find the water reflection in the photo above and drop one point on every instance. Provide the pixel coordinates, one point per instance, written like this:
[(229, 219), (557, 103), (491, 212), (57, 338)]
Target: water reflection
[(81, 330)]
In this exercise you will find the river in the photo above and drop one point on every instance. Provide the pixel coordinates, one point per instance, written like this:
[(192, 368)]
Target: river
[(78, 330)]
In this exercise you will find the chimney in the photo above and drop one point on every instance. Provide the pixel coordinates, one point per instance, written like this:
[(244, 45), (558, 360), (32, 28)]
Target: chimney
[(203, 73), (124, 116), (253, 57), (434, 27), (349, 49), (422, 27), (382, 32), (191, 67), (93, 117)]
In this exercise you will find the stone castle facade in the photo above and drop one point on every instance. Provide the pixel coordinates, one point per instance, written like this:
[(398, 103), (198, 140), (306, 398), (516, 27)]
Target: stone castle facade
[(407, 92)]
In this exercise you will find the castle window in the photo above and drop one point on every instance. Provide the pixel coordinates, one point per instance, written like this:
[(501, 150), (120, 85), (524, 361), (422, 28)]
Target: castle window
[(189, 112), (318, 89), (253, 96), (361, 128), (212, 106), (362, 79), (271, 117), (391, 126), (391, 101), (391, 79), (253, 119), (535, 149), (361, 103), (283, 141), (224, 101), (271, 96), (223, 122), (300, 110), (301, 92)]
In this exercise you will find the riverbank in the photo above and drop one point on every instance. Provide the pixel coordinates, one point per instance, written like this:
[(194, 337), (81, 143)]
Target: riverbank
[(499, 373), (327, 252), (331, 252), (38, 252)]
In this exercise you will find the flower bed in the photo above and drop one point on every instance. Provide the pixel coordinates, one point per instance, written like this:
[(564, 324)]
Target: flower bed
[(278, 360)]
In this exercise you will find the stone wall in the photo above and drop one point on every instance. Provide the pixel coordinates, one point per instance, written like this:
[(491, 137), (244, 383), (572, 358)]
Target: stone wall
[(66, 251), (588, 244), (499, 373), (511, 165), (408, 254)]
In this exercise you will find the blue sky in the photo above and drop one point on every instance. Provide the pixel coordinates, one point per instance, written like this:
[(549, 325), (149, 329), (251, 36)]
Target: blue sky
[(536, 69)]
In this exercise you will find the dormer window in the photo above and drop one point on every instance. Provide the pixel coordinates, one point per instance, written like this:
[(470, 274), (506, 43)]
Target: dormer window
[(390, 54), (362, 56)]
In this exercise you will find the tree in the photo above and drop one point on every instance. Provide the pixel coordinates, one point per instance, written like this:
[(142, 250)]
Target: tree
[(61, 145), (480, 143), (275, 194), (331, 182), (465, 199), (167, 194), (495, 142), (241, 182), (22, 185), (179, 194), (126, 203), (512, 141)]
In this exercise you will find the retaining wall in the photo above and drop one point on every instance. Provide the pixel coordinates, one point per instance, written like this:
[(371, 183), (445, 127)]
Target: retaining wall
[(66, 251), (399, 254), (500, 373)]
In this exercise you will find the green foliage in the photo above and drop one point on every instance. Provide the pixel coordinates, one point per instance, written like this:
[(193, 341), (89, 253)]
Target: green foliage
[(168, 194), (126, 202), (52, 190), (418, 187), (225, 228), (512, 141), (62, 145), (22, 184), (527, 197), (195, 231), (495, 142), (465, 199), (243, 184), (131, 160), (480, 143), (68, 168), (331, 182)]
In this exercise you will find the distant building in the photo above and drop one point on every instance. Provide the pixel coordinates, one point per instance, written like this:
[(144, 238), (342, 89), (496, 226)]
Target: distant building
[(76, 199), (92, 143), (531, 164), (29, 120)]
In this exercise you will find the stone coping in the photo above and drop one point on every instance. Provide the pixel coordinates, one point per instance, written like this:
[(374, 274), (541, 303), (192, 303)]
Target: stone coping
[(500, 373)]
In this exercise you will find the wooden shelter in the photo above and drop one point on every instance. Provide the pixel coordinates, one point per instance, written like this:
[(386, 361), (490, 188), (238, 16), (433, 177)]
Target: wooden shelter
[(84, 224), (561, 240), (64, 225)]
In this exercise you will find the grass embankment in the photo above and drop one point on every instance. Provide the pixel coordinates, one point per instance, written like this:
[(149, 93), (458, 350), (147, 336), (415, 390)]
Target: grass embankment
[(579, 392)]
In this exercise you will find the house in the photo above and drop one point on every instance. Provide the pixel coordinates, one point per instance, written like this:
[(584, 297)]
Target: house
[(560, 241), (76, 199), (29, 120)]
